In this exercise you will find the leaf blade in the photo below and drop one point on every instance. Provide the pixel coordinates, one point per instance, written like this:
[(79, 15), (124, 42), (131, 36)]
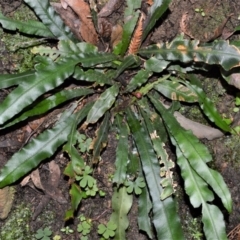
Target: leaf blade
[(45, 79), (34, 152), (196, 153), (50, 18), (165, 218), (121, 152), (121, 204), (103, 104), (29, 27)]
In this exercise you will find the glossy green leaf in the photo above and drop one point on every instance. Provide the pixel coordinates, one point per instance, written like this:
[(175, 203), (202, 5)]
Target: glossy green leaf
[(77, 162), (138, 80), (40, 148), (76, 197), (209, 109), (133, 162), (29, 27), (166, 163), (213, 222), (176, 91), (165, 218), (131, 15), (196, 153), (121, 151), (66, 47), (155, 65), (156, 11), (127, 62), (101, 139), (183, 50), (8, 80), (45, 79), (144, 208), (103, 103), (50, 18), (92, 59), (196, 188), (50, 103), (149, 86), (121, 204), (84, 53), (99, 77)]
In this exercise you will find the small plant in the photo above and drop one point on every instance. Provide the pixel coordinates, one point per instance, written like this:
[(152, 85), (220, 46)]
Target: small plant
[(195, 233), (67, 230), (201, 11), (237, 103), (57, 237), (107, 231), (135, 186), (83, 143), (43, 234), (84, 226), (87, 182)]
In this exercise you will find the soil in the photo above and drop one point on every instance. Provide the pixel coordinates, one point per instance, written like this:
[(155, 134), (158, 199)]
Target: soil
[(225, 150)]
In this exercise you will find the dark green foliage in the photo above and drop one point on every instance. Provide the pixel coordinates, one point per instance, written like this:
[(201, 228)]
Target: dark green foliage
[(141, 122)]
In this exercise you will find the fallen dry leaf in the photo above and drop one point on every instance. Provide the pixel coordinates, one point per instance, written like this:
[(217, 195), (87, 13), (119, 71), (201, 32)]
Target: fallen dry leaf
[(235, 233), (82, 9), (110, 7), (183, 25), (35, 176), (70, 19), (104, 28), (34, 124), (25, 180), (116, 35), (6, 201), (199, 130)]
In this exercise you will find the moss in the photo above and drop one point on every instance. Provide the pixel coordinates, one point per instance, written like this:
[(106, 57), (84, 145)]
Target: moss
[(18, 58), (48, 217), (17, 224), (233, 145), (215, 15)]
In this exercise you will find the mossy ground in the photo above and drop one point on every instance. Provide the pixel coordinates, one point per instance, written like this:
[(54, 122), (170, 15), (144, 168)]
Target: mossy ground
[(17, 225)]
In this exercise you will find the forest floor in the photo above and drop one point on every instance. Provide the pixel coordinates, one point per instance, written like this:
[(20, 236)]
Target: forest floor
[(30, 211)]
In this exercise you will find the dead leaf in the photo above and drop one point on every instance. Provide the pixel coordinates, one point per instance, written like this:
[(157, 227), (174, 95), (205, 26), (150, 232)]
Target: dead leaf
[(70, 18), (104, 28), (183, 25), (199, 130), (25, 181), (110, 7), (235, 233), (116, 35), (34, 124), (6, 201), (82, 9), (36, 179), (54, 175), (137, 36), (50, 189)]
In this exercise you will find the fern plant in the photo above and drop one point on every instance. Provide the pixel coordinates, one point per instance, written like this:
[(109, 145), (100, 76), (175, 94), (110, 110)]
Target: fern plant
[(141, 120)]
